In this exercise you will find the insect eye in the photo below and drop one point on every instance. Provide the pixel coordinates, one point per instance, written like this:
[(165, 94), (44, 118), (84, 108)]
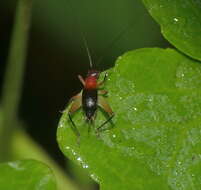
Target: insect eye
[(94, 74)]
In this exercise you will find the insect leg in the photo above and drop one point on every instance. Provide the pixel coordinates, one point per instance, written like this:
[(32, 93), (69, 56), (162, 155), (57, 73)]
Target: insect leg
[(74, 107), (109, 119), (89, 126), (77, 96), (105, 106), (102, 92), (75, 128), (105, 77), (81, 80)]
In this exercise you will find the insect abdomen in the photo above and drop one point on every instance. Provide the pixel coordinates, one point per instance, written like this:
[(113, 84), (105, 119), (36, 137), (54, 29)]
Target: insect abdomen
[(89, 102)]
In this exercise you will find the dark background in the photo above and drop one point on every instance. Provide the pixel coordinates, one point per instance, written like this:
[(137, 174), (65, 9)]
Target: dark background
[(56, 53)]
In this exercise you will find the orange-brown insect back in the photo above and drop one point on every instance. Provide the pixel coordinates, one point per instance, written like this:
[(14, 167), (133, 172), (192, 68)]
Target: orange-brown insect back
[(90, 83)]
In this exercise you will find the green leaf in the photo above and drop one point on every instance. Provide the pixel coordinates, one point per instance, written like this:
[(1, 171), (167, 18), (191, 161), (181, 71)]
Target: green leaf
[(26, 175), (154, 141), (180, 23)]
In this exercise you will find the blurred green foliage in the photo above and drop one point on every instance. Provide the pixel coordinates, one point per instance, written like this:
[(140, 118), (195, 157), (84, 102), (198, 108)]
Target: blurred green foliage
[(26, 174)]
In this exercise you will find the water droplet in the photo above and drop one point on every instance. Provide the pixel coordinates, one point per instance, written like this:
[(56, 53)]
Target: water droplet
[(15, 165), (73, 152), (95, 177), (82, 163), (85, 166), (119, 58), (61, 124), (175, 19), (150, 98)]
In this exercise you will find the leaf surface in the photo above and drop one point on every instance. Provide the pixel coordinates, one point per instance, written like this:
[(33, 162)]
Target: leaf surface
[(154, 139)]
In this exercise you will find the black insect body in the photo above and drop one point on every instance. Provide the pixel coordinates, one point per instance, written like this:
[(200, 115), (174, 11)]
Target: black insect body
[(89, 102)]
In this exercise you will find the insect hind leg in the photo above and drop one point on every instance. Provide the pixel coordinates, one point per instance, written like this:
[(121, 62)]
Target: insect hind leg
[(107, 109), (74, 107), (90, 123), (102, 82), (104, 123), (74, 126)]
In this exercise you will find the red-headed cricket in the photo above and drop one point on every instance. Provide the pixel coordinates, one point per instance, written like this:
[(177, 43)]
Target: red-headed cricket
[(91, 97)]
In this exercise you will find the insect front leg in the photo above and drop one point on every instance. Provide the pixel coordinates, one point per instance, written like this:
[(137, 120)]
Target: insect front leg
[(102, 82), (81, 80), (105, 106)]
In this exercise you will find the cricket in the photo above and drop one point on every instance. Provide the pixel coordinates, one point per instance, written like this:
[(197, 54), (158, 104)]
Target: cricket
[(91, 96)]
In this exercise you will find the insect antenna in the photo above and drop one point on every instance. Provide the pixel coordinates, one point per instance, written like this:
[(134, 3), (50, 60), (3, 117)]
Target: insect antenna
[(78, 24), (113, 42), (87, 49), (106, 51)]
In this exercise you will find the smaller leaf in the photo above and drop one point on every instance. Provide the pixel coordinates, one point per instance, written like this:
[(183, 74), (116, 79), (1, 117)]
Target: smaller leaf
[(26, 175), (180, 22)]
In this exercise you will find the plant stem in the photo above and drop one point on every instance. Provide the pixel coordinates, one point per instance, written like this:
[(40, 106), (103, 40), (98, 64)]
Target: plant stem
[(13, 80)]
